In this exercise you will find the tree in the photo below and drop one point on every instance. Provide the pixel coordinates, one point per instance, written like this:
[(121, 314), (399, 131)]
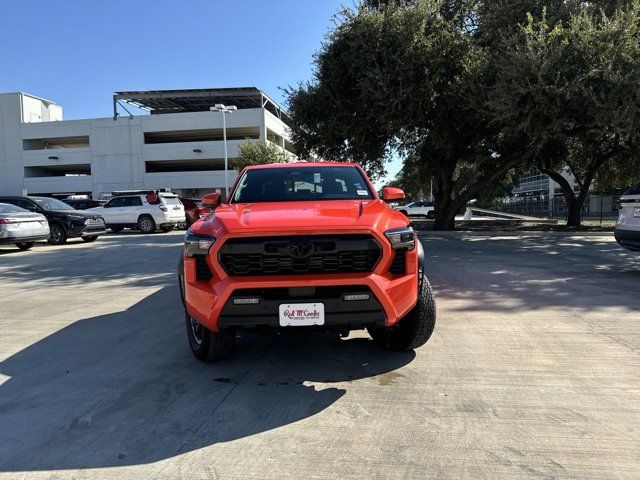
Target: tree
[(575, 85), (259, 152), (617, 176), (409, 76), (469, 90)]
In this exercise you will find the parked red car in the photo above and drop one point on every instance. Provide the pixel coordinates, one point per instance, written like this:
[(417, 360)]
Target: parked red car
[(304, 246), (193, 209)]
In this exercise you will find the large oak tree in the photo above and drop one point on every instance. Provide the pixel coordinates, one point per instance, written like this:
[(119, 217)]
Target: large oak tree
[(454, 86)]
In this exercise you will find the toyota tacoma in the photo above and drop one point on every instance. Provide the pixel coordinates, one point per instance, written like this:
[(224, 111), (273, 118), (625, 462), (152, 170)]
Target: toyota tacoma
[(304, 246)]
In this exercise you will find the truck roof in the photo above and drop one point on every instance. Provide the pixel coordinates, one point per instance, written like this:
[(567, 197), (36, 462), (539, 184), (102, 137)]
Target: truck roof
[(302, 164)]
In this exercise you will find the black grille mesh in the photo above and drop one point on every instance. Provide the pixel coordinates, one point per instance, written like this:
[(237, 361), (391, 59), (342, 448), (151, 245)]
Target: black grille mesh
[(202, 268), (399, 262), (319, 254)]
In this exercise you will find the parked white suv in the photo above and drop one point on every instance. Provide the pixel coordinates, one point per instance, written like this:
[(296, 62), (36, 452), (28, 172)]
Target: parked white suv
[(628, 225), (418, 209), (145, 211)]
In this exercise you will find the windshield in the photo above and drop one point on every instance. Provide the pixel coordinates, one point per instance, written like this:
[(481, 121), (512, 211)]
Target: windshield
[(301, 183), (48, 204), (6, 208)]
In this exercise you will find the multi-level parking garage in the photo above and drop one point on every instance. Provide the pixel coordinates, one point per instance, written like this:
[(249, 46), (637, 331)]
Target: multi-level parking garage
[(178, 146)]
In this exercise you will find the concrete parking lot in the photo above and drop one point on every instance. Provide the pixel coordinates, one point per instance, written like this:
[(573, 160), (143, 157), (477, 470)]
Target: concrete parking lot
[(533, 372)]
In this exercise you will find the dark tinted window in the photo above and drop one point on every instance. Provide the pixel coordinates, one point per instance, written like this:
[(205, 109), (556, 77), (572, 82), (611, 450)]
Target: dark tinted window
[(635, 190), (51, 204), (26, 204), (132, 202), (300, 184), (115, 202)]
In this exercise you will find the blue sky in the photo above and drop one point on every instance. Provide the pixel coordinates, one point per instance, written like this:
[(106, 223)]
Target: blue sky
[(77, 53)]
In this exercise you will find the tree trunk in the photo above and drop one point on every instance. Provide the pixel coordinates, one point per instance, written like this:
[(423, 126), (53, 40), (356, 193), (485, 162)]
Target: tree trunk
[(574, 206), (448, 203), (445, 207), (574, 211)]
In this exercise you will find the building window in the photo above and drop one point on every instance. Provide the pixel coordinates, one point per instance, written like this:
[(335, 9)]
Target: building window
[(58, 171), (195, 165), (55, 143), (204, 135)]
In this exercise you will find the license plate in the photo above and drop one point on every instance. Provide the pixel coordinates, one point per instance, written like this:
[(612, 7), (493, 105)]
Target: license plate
[(301, 314), (636, 213), (93, 221)]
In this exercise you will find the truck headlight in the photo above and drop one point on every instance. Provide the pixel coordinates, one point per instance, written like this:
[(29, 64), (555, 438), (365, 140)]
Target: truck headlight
[(402, 238), (195, 244)]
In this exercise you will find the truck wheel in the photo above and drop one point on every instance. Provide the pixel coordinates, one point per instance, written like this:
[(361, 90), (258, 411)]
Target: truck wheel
[(146, 224), (206, 345), (25, 245), (90, 238), (57, 235), (167, 229), (431, 215), (415, 328)]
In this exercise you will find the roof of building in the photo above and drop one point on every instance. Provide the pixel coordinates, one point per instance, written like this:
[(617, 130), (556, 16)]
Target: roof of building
[(197, 100)]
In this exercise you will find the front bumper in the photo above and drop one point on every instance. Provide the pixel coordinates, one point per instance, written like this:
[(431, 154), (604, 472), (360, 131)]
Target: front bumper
[(83, 230), (396, 295), (338, 312), (629, 239)]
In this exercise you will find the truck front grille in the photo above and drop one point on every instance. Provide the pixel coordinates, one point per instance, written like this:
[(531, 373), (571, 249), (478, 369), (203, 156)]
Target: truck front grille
[(300, 255)]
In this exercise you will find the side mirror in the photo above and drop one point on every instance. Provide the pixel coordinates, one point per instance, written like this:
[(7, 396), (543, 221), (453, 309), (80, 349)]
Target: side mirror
[(211, 200), (392, 193)]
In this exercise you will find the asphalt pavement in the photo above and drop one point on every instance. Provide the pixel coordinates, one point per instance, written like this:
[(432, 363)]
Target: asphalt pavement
[(533, 372)]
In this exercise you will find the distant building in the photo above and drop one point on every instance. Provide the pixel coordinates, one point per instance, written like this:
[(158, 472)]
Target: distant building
[(534, 193), (178, 146)]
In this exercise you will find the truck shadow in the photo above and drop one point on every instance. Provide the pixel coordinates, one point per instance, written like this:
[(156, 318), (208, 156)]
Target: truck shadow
[(123, 389)]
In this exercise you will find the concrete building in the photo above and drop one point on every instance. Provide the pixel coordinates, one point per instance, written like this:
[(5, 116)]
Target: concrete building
[(178, 145)]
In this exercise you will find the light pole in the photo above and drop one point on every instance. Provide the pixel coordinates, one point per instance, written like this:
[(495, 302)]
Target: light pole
[(224, 109)]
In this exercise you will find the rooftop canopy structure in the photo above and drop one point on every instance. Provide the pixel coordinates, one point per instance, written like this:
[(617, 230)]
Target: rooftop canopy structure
[(196, 100)]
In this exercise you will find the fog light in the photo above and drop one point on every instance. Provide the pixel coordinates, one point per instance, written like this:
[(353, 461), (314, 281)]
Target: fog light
[(356, 296), (246, 301)]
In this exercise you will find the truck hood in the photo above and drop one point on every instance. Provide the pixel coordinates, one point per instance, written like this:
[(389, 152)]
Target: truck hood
[(304, 215)]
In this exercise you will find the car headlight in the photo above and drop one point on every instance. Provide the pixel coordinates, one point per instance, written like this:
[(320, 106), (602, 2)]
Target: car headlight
[(195, 244), (402, 238), (76, 218)]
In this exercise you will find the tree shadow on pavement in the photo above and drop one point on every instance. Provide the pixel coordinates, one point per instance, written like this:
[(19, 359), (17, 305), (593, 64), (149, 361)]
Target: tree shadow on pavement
[(123, 389), (149, 260), (527, 272)]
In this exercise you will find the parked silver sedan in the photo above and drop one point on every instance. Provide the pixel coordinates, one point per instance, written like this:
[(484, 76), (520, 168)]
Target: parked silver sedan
[(22, 227)]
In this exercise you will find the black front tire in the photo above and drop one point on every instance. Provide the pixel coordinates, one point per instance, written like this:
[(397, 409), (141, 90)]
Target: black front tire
[(25, 245), (146, 224), (90, 238), (431, 215), (415, 329), (57, 235), (206, 345)]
